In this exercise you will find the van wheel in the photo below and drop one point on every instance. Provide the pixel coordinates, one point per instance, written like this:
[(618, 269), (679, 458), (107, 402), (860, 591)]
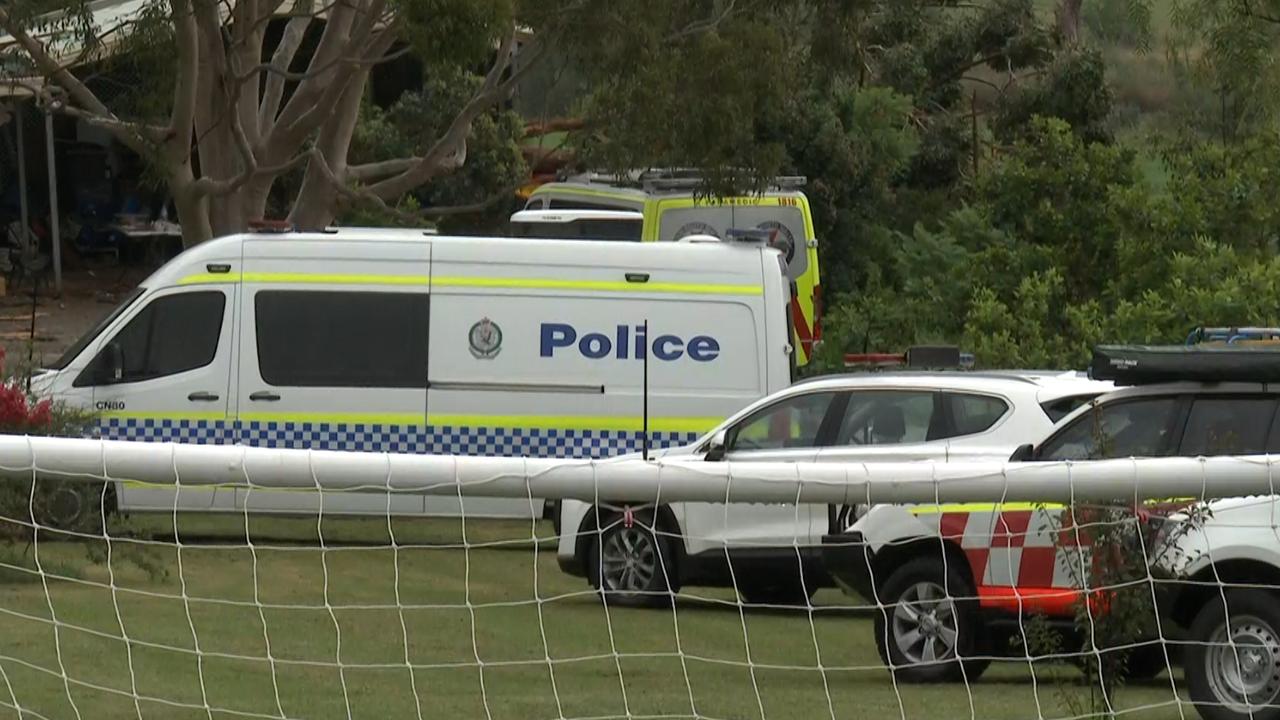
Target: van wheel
[(1233, 661), (631, 565), (72, 506), (928, 624)]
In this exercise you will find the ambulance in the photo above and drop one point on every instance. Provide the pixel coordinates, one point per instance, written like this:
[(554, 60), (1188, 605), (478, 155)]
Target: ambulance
[(666, 205), (958, 582), (408, 342)]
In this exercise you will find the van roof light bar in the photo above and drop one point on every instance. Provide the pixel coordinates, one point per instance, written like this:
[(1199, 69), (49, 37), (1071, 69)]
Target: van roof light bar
[(270, 226), (918, 357)]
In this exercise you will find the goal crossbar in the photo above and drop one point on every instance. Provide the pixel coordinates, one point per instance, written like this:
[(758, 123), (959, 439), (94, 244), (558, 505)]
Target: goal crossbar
[(630, 479)]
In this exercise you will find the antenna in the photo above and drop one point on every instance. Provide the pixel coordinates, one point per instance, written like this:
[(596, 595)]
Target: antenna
[(644, 421)]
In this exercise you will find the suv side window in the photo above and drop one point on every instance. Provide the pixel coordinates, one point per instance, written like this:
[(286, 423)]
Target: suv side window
[(1137, 428), (790, 423), (972, 414), (889, 417), (172, 334), (1228, 426)]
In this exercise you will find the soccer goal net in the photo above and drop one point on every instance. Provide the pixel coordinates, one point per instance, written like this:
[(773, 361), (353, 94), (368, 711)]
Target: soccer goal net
[(161, 581)]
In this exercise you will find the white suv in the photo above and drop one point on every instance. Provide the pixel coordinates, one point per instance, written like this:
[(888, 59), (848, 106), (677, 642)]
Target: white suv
[(771, 552)]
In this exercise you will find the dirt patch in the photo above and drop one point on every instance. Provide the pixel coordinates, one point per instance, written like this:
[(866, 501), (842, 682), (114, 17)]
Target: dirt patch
[(87, 296)]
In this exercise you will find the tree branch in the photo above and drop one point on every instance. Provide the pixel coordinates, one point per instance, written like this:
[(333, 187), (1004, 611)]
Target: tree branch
[(294, 31), (702, 26), (185, 85), (128, 133), (452, 144)]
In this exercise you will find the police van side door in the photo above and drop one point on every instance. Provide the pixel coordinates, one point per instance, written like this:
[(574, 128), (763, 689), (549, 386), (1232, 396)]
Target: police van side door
[(334, 338), (162, 375)]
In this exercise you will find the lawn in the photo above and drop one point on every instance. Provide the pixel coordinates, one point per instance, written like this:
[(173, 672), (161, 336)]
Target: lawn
[(493, 632)]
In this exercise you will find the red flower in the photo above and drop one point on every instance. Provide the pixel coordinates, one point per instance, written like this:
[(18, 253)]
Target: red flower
[(42, 414), (13, 407)]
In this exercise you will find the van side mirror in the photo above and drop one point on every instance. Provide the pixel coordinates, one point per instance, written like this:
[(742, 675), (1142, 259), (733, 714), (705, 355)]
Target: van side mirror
[(1023, 453), (112, 369), (716, 447)]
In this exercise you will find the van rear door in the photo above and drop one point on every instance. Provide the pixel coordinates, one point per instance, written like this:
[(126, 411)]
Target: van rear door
[(334, 338)]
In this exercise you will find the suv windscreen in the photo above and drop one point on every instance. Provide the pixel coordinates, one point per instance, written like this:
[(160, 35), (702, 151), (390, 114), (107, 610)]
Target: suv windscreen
[(1062, 407), (1136, 428), (790, 423)]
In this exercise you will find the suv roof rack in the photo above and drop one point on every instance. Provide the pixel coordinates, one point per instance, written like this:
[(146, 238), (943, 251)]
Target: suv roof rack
[(1210, 363)]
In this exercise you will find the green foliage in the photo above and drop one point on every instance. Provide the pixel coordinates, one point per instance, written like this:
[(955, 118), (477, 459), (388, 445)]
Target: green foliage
[(1073, 88), (1230, 49), (495, 165)]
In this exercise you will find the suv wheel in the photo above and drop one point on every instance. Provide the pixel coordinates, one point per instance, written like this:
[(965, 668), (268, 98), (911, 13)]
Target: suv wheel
[(1233, 661), (630, 564), (928, 623)]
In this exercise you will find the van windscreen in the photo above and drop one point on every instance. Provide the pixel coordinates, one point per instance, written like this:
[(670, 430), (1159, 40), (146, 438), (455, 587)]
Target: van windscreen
[(80, 344)]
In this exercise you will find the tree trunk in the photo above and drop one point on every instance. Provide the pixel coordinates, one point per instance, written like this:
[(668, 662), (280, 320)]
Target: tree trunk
[(318, 201), (1068, 16), (193, 212)]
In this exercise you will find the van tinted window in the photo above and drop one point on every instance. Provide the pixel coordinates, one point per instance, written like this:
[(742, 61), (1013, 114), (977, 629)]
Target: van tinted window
[(172, 334), (342, 339), (1228, 426)]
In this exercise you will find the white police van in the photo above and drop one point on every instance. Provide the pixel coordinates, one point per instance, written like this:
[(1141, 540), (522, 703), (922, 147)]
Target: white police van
[(401, 341)]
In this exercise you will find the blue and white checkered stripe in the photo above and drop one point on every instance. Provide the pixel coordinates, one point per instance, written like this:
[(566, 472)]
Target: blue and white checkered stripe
[(442, 439)]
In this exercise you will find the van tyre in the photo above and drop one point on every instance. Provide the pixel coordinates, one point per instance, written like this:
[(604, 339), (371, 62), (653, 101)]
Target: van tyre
[(1233, 671), (630, 564), (928, 621), (72, 506)]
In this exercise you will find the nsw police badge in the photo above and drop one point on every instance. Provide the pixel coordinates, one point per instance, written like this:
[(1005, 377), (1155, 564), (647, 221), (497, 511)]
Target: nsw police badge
[(485, 338)]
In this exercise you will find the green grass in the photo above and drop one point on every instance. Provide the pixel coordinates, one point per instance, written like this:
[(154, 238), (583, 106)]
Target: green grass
[(477, 636)]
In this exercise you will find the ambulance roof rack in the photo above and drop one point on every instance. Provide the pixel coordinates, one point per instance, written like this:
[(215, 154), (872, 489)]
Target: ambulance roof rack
[(1233, 335), (918, 357), (1208, 362), (667, 179)]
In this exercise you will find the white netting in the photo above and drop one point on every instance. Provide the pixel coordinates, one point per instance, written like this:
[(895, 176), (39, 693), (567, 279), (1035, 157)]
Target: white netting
[(245, 615)]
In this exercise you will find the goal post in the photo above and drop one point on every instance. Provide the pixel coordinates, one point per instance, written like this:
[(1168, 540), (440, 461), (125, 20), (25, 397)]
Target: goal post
[(1029, 570)]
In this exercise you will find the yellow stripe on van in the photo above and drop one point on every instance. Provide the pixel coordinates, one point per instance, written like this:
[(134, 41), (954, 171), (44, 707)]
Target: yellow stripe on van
[(475, 282), (603, 285), (332, 418), (189, 415), (983, 507), (573, 422)]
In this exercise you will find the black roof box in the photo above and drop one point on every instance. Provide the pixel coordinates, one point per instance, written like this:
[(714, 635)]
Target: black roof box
[(1143, 364)]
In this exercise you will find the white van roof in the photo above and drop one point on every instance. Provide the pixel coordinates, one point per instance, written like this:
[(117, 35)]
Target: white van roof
[(568, 216), (684, 257)]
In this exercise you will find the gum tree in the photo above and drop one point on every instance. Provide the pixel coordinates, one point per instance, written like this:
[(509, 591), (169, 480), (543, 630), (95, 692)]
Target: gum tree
[(228, 98)]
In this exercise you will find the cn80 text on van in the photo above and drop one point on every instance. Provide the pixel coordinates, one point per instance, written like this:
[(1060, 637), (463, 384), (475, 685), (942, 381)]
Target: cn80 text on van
[(627, 343)]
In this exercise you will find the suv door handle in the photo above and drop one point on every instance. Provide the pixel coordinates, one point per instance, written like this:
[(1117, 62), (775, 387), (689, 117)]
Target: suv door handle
[(202, 396), (265, 395)]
